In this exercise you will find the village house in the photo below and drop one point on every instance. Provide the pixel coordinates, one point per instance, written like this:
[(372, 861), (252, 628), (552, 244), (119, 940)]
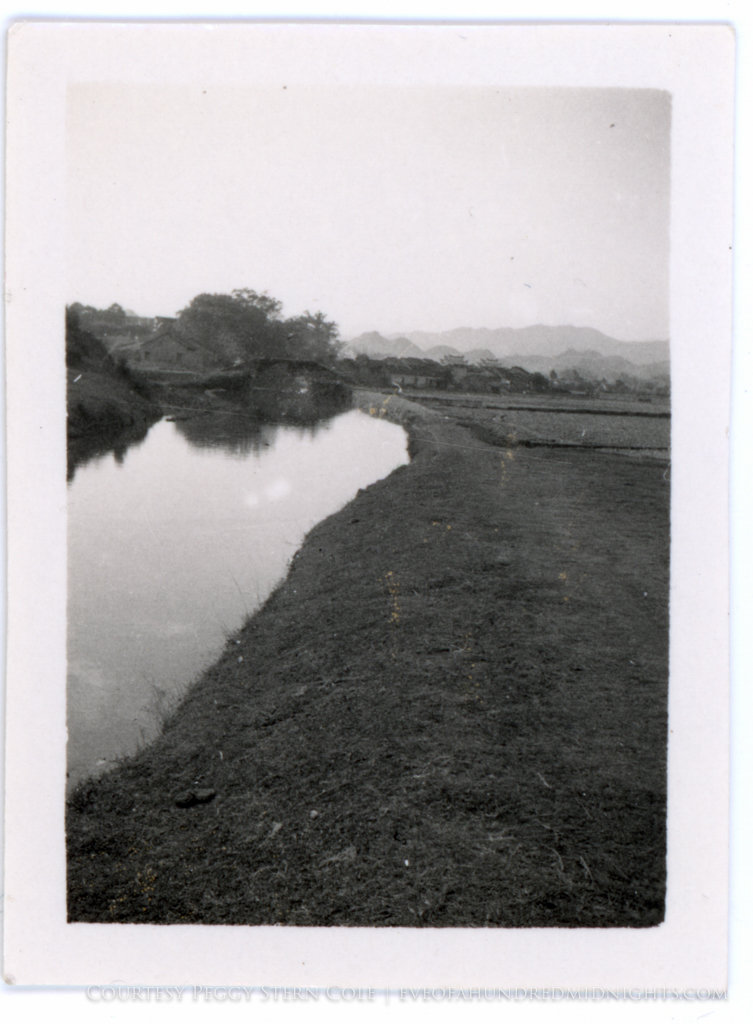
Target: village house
[(412, 380), (170, 351)]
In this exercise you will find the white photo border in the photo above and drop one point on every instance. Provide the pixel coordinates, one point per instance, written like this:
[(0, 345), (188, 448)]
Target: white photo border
[(696, 64)]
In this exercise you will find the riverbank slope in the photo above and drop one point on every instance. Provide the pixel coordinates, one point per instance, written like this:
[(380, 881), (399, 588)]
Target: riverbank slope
[(105, 413), (451, 713)]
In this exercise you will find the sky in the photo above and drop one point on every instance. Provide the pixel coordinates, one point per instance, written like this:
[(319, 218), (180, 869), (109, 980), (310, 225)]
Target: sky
[(388, 208)]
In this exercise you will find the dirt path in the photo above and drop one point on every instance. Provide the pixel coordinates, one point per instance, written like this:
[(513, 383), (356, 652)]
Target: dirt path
[(452, 712)]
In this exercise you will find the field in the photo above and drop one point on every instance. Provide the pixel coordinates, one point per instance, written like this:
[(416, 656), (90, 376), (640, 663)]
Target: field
[(616, 423), (451, 713)]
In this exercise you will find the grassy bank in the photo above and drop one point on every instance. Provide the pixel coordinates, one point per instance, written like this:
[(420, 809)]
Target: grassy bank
[(451, 713), (105, 413)]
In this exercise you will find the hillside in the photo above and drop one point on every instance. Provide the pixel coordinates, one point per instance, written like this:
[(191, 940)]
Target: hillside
[(438, 352), (374, 344), (108, 405), (539, 349), (594, 366), (541, 340)]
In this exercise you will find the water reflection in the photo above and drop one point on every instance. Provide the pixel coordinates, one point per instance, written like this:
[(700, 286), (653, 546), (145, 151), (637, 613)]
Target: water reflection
[(234, 433), (256, 405), (238, 412), (237, 434), (169, 551), (114, 441)]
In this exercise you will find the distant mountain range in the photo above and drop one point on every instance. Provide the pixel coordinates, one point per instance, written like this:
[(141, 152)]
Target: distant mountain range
[(542, 340), (376, 345), (541, 348)]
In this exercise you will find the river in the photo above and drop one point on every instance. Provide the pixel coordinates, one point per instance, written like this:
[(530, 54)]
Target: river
[(172, 544)]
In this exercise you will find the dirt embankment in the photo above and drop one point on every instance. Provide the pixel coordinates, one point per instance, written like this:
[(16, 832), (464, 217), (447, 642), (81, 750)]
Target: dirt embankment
[(451, 713), (105, 413), (108, 405)]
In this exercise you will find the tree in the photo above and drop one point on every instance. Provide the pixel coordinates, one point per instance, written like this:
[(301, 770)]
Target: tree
[(83, 349), (247, 325), (253, 300), (313, 336), (237, 326)]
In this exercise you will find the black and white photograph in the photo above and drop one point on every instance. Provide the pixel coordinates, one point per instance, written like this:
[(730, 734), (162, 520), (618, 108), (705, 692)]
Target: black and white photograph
[(368, 607), (366, 394)]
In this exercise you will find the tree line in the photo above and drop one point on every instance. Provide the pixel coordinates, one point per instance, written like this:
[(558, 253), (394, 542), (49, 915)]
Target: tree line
[(236, 328), (247, 325)]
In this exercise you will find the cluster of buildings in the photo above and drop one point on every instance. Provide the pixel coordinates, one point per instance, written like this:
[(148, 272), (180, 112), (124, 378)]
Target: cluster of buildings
[(146, 342), (451, 374)]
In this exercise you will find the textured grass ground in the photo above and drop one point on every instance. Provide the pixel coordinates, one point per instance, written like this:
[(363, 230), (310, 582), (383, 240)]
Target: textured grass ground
[(452, 713)]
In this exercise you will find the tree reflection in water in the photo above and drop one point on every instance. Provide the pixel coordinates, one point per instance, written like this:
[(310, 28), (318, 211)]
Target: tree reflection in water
[(251, 422), (114, 441), (238, 412)]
